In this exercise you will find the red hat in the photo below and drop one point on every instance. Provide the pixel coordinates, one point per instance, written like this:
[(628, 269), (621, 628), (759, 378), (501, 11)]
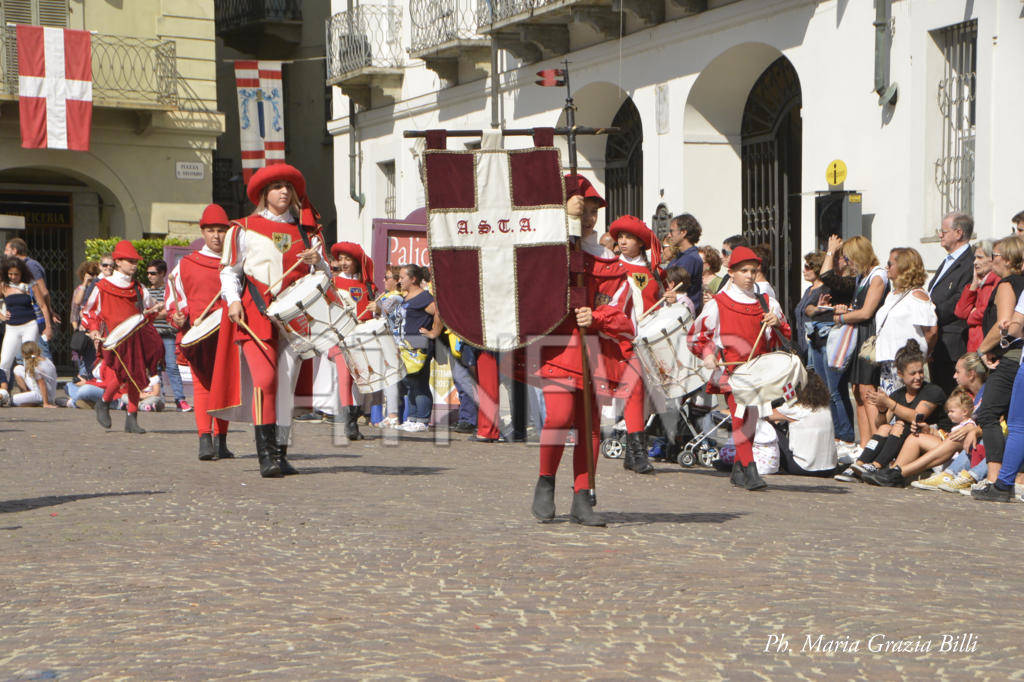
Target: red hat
[(124, 249), (741, 254), (579, 185), (213, 215), (354, 251), (277, 172), (629, 224)]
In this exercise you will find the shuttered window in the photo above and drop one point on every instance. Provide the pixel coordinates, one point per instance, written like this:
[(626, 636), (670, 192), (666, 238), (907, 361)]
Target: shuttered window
[(44, 12)]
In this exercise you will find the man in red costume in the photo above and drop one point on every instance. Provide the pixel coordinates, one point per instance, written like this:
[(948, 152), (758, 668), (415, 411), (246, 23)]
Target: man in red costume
[(258, 251), (115, 299), (726, 331), (191, 287), (605, 314), (634, 238)]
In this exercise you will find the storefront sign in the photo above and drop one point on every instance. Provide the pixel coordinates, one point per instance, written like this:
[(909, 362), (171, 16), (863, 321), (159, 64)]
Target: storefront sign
[(39, 210), (408, 247), (189, 170)]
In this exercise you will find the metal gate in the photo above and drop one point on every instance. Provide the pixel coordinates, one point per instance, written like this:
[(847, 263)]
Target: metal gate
[(624, 164), (771, 162)]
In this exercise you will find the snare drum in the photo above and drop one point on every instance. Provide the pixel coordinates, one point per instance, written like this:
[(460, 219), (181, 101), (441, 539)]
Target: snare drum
[(199, 346), (124, 331), (767, 378), (666, 359), (313, 315), (372, 356)]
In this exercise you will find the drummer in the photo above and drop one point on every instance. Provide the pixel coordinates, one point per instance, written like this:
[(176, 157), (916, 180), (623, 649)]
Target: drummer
[(192, 286), (634, 238), (116, 298), (724, 335), (258, 251)]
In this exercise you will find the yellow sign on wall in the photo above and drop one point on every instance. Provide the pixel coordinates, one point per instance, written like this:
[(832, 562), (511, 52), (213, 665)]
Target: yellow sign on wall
[(835, 174)]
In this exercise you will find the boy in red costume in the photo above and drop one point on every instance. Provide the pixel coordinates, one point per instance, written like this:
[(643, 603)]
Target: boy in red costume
[(115, 299), (726, 331), (192, 285), (634, 238), (258, 250), (604, 314)]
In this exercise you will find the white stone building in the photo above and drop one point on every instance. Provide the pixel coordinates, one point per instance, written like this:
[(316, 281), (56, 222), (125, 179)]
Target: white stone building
[(731, 110)]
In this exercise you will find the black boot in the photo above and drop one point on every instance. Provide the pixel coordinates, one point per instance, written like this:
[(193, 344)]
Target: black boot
[(582, 511), (544, 499), (351, 417), (737, 477), (266, 450), (636, 454), (222, 447), (103, 413), (131, 424), (753, 480), (206, 450), (282, 463)]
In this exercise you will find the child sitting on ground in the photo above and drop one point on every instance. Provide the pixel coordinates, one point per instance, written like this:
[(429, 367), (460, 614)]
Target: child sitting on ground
[(37, 379), (810, 447)]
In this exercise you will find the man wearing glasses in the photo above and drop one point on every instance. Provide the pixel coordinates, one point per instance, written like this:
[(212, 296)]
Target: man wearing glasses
[(954, 273), (156, 274)]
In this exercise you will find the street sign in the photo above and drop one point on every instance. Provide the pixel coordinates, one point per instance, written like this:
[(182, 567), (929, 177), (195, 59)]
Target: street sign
[(835, 174)]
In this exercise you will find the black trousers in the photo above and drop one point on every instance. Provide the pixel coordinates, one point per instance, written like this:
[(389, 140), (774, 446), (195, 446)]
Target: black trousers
[(995, 403)]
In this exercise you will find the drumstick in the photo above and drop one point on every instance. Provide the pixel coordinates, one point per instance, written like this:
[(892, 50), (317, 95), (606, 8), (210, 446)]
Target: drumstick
[(659, 302), (203, 314), (252, 334), (757, 341), (280, 279)]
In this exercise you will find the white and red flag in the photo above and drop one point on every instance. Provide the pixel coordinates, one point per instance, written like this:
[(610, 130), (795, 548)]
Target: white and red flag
[(54, 87), (260, 114), (498, 238)]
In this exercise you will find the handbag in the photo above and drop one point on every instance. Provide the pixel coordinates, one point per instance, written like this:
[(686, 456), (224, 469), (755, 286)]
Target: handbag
[(80, 342), (842, 339), (868, 352), (413, 358)]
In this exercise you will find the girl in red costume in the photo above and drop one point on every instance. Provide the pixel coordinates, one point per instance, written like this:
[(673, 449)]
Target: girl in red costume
[(726, 331), (604, 314), (634, 238), (114, 300), (192, 285)]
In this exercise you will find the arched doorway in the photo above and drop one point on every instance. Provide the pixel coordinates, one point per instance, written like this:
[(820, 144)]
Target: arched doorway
[(771, 165), (624, 164)]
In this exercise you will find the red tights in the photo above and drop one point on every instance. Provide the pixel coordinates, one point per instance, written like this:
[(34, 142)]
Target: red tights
[(634, 408), (263, 368), (743, 430), (487, 395), (344, 378), (563, 410), (205, 423), (111, 386)]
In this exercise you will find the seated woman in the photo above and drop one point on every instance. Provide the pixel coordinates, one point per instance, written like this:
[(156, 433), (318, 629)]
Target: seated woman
[(151, 399), (810, 448), (37, 378), (898, 411), (928, 446)]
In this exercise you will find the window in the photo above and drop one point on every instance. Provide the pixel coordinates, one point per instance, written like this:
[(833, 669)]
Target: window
[(956, 91), (387, 169), (44, 12)]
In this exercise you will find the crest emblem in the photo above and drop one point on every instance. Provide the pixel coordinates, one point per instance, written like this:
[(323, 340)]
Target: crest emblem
[(356, 293), (640, 279), (283, 241)]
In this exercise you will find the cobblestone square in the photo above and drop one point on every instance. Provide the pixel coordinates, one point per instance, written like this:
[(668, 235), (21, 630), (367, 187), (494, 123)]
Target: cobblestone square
[(126, 558)]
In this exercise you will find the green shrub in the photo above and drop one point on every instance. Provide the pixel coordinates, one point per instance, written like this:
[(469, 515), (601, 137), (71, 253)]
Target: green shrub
[(149, 250)]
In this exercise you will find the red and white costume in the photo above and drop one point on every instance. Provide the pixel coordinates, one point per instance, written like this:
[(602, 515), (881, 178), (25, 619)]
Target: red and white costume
[(728, 327), (192, 285)]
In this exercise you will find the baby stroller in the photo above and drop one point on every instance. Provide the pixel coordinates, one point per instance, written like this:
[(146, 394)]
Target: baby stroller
[(698, 432)]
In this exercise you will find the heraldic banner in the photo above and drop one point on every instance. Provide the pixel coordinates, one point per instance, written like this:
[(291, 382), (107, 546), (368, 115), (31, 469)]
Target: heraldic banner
[(498, 238), (260, 114)]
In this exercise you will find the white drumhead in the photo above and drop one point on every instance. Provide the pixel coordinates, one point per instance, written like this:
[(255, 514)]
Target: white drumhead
[(206, 327), (302, 293), (123, 331), (666, 321)]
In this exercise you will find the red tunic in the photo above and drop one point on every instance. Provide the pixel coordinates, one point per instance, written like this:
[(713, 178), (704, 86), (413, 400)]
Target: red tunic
[(646, 282), (200, 281), (139, 356), (356, 288)]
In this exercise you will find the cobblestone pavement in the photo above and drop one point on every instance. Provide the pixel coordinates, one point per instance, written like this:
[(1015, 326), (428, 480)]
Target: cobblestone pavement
[(125, 557)]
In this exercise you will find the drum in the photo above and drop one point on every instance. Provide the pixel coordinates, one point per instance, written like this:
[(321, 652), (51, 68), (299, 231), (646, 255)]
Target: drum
[(667, 362), (372, 356), (313, 315), (766, 379), (199, 346), (124, 331)]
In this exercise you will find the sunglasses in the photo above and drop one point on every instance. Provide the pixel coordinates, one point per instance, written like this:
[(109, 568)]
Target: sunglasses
[(152, 273), (106, 265)]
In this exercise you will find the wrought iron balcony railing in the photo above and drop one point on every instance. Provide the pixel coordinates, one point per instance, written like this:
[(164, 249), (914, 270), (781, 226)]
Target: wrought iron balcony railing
[(368, 36), (493, 11), (235, 14), (126, 71), (436, 22)]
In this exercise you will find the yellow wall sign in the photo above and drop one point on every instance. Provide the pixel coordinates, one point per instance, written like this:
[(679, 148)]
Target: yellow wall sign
[(835, 174)]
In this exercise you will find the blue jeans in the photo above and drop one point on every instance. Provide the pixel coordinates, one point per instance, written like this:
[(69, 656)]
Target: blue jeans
[(839, 392), (1013, 453), (962, 462), (171, 368), (421, 401), (86, 393)]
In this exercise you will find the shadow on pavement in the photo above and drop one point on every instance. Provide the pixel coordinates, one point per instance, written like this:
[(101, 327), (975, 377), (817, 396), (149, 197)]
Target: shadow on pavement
[(668, 517), (823, 489), (30, 503), (377, 470)]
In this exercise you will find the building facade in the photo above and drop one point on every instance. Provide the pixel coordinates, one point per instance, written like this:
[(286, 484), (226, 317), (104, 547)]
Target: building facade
[(729, 110)]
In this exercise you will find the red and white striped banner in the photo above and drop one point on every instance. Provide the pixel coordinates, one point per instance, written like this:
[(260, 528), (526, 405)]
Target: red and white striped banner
[(260, 114), (54, 87)]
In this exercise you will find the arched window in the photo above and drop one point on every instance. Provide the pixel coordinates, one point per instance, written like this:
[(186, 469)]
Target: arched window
[(624, 164)]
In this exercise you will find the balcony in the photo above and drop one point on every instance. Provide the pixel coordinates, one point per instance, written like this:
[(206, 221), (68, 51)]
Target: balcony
[(127, 72), (444, 35), (364, 54), (262, 27)]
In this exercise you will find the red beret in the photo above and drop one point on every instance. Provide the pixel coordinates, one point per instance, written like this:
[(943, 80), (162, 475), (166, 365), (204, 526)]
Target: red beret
[(278, 172), (124, 249), (629, 224), (213, 215), (741, 254), (579, 185), (356, 253)]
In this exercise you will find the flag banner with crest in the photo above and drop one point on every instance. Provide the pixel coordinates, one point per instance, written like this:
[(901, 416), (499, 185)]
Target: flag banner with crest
[(498, 239), (260, 114)]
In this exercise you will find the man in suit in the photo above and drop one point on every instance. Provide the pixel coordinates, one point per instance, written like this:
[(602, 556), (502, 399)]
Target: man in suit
[(954, 273)]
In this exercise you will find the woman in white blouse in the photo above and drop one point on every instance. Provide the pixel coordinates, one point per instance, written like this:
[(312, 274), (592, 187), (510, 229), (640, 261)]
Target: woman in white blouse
[(907, 313)]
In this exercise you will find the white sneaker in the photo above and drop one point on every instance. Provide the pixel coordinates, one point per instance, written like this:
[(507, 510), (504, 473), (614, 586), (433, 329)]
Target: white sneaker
[(980, 485), (414, 427), (5, 398)]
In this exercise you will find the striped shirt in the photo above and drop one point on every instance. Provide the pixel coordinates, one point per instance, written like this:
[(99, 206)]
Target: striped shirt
[(162, 326)]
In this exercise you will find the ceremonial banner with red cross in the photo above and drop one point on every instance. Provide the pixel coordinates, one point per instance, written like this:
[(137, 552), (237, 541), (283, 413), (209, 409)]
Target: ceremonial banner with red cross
[(498, 239), (54, 87)]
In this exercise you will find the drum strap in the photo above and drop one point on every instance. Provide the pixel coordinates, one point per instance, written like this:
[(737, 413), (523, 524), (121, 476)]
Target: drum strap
[(261, 304), (786, 344)]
